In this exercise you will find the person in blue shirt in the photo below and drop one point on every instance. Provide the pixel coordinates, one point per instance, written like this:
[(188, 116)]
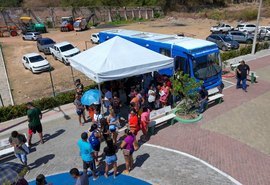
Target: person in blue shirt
[(87, 154)]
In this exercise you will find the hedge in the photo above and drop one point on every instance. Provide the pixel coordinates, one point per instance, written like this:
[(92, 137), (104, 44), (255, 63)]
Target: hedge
[(243, 51), (16, 111)]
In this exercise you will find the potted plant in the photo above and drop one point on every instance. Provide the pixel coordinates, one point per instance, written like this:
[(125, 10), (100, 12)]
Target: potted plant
[(186, 88)]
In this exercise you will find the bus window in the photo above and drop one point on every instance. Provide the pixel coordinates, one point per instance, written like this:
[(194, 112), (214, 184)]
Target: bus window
[(165, 52), (179, 63)]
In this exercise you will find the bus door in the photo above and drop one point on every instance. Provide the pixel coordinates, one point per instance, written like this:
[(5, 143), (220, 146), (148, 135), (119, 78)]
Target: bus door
[(182, 64)]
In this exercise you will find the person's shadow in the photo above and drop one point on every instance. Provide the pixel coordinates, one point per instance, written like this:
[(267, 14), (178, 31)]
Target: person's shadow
[(43, 160), (140, 159), (47, 137)]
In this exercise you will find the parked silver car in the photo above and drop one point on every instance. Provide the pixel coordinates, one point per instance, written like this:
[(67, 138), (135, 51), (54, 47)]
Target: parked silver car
[(246, 27), (264, 34), (224, 42), (44, 45), (241, 37)]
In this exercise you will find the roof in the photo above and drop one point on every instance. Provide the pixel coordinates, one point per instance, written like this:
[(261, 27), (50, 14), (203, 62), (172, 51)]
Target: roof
[(46, 38), (184, 42), (62, 44), (25, 18), (35, 32), (118, 58), (28, 55)]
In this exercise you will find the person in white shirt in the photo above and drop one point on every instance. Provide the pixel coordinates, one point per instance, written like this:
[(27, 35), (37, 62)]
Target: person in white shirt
[(97, 117), (151, 97), (107, 100)]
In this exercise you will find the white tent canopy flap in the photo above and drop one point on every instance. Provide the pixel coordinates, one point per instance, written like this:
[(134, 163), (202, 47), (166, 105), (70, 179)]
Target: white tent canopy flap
[(118, 58)]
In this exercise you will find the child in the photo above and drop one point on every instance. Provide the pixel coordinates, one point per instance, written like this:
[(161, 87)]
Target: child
[(97, 117)]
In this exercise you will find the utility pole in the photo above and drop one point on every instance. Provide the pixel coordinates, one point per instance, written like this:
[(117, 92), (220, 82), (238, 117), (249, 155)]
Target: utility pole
[(256, 30), (50, 71)]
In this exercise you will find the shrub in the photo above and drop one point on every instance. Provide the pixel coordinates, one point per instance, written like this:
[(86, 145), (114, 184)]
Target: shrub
[(12, 112), (49, 24), (157, 15), (243, 51), (266, 45)]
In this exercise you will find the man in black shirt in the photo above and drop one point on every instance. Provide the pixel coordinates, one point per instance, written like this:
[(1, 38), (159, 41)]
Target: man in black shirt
[(241, 73)]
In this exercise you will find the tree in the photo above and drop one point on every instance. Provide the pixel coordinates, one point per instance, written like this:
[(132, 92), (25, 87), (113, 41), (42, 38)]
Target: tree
[(10, 3), (186, 87)]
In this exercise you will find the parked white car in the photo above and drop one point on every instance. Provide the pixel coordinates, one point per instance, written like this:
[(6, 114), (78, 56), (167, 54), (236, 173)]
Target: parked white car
[(94, 38), (63, 51), (31, 36), (246, 27), (35, 63), (221, 28)]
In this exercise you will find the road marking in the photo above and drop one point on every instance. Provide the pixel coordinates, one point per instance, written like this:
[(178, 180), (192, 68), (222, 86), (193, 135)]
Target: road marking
[(197, 159), (231, 84)]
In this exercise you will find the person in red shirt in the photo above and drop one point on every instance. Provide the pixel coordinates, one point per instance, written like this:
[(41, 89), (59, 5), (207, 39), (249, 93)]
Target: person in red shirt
[(133, 122), (168, 82)]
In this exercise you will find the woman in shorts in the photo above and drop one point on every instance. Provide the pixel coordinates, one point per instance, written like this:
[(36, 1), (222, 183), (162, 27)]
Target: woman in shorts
[(128, 148), (110, 157)]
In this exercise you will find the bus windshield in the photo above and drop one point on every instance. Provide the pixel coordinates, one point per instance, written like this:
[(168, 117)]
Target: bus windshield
[(206, 66)]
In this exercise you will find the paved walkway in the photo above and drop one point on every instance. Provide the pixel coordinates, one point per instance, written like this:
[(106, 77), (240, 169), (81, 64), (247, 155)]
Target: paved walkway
[(154, 165), (4, 87)]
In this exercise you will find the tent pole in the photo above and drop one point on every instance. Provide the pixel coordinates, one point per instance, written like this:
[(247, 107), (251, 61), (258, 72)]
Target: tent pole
[(102, 110), (72, 73)]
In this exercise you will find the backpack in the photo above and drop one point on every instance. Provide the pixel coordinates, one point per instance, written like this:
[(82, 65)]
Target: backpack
[(93, 140), (22, 138)]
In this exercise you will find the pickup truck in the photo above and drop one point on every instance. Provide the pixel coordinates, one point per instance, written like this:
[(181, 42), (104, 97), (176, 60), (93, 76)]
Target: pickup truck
[(64, 50), (221, 28)]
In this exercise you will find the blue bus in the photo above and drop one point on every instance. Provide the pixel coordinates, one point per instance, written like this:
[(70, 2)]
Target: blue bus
[(198, 58)]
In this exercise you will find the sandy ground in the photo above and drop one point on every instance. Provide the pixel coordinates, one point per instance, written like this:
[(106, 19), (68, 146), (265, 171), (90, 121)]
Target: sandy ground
[(27, 86)]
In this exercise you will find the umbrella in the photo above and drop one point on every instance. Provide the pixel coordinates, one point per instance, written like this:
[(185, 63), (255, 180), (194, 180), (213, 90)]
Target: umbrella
[(91, 96), (11, 172)]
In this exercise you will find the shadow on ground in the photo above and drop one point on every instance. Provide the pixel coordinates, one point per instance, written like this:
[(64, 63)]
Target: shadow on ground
[(48, 137), (41, 161)]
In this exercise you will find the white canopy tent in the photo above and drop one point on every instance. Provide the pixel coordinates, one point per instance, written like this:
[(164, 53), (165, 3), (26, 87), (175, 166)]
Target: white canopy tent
[(118, 58)]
